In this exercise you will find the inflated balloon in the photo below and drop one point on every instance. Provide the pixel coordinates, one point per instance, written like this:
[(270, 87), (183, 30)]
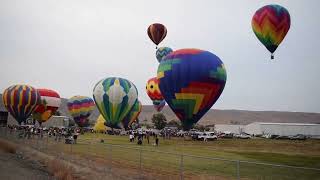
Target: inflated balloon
[(80, 108), (132, 115), (154, 93), (271, 24), (191, 81), (162, 52), (114, 98), (157, 32), (50, 102), (21, 101)]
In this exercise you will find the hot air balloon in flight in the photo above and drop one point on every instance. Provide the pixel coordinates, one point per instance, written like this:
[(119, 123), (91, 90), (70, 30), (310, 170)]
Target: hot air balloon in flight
[(132, 115), (270, 24), (154, 93), (50, 102), (157, 32), (162, 52), (191, 81), (115, 98), (21, 101), (80, 108)]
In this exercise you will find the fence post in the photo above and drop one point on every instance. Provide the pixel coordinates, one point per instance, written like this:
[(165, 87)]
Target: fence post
[(110, 158), (140, 162), (181, 167), (238, 170)]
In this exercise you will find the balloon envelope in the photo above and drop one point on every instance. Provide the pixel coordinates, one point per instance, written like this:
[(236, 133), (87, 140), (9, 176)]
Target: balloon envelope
[(162, 52), (50, 102), (132, 115), (154, 93), (114, 98), (271, 24), (21, 101), (157, 32), (99, 125), (80, 108), (191, 81)]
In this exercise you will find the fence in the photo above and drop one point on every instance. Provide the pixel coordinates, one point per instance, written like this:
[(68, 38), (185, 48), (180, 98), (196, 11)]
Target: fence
[(125, 162)]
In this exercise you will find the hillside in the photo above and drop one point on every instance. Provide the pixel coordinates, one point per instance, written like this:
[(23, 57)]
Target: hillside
[(215, 116)]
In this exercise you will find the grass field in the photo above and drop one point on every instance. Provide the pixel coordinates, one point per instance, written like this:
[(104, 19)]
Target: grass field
[(286, 152), (201, 160)]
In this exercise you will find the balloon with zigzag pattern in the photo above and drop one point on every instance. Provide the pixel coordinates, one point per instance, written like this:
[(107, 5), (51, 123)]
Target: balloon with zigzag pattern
[(191, 81), (270, 24)]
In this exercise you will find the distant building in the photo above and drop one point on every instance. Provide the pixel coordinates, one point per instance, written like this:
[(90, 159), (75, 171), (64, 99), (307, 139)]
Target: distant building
[(283, 129), (235, 129), (57, 121)]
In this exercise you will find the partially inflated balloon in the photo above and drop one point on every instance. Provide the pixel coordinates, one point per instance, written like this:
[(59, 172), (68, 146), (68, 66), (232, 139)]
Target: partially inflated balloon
[(50, 102), (157, 32), (114, 98), (191, 81), (80, 108), (132, 115), (162, 52), (154, 93), (271, 24), (21, 101), (99, 125)]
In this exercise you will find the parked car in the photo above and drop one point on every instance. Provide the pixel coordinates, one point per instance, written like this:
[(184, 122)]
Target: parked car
[(242, 136), (282, 137), (207, 136), (298, 137), (226, 136)]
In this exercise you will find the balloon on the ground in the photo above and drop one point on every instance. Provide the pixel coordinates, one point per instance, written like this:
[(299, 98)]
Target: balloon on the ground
[(271, 24), (157, 32), (21, 101), (162, 52), (114, 98), (191, 81), (154, 93), (132, 115), (80, 108), (99, 125), (50, 102)]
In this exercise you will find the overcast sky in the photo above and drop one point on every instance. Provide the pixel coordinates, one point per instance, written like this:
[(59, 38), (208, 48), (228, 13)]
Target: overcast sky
[(70, 45)]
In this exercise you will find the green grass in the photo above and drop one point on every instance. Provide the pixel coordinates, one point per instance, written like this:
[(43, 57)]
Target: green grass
[(292, 153)]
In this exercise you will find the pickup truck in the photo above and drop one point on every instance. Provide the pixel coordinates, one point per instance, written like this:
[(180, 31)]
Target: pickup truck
[(207, 136)]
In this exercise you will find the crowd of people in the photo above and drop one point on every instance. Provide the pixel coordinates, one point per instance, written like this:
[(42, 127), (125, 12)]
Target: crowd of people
[(143, 135)]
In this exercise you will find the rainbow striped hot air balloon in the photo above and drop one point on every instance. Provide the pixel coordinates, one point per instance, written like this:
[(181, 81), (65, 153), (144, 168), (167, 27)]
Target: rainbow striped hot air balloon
[(21, 101), (80, 108), (270, 24), (191, 81)]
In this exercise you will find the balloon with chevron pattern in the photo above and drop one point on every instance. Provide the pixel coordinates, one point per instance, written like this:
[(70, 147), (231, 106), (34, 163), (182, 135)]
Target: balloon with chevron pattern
[(191, 81), (162, 52), (132, 115), (270, 24)]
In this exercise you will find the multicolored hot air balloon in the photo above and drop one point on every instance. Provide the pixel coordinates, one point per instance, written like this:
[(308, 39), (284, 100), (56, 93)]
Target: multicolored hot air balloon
[(21, 101), (154, 93), (114, 98), (191, 81), (50, 102), (162, 52), (157, 32), (132, 115), (271, 24), (80, 108)]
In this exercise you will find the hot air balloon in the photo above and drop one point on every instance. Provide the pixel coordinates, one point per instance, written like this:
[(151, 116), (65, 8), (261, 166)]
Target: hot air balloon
[(21, 101), (191, 81), (114, 98), (80, 108), (50, 102), (132, 115), (99, 126), (271, 24), (154, 93), (162, 52), (157, 32)]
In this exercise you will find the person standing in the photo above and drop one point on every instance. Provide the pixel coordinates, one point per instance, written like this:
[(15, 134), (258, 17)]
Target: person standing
[(157, 140)]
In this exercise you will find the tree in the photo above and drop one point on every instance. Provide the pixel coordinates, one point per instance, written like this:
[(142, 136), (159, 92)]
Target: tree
[(175, 123), (159, 121)]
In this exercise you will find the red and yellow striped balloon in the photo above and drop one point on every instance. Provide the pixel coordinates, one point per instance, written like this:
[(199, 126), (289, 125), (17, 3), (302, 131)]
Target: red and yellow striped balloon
[(271, 24), (21, 101)]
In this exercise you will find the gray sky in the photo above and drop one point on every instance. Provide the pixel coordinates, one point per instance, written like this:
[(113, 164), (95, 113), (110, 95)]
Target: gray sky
[(70, 45)]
